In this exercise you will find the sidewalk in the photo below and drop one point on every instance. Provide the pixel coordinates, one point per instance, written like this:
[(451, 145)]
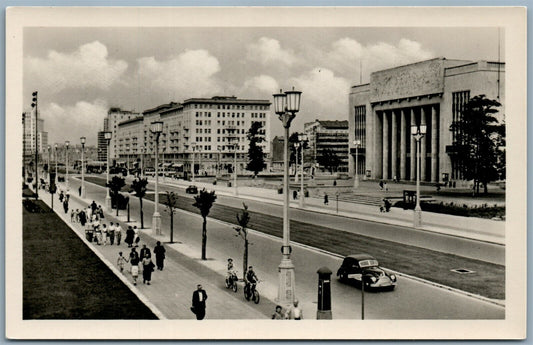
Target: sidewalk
[(170, 292), (468, 227)]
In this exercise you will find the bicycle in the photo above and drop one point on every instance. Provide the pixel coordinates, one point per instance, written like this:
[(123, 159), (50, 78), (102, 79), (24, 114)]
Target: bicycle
[(253, 295), (231, 281)]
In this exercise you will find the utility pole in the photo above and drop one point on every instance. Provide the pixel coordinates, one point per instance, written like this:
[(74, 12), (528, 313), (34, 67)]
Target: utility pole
[(34, 105)]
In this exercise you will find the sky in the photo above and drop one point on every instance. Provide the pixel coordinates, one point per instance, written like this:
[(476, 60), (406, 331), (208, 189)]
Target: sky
[(81, 72)]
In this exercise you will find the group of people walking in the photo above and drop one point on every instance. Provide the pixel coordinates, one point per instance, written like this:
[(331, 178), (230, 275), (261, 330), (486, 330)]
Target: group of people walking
[(142, 262)]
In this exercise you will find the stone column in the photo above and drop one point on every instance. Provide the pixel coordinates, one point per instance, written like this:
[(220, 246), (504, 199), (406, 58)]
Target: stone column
[(434, 145), (412, 175), (394, 146), (376, 157), (423, 146), (403, 144), (386, 152)]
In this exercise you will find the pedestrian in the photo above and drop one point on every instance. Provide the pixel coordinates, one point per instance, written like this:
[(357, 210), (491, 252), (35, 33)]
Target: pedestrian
[(118, 233), (159, 252), (89, 213), (295, 313), (198, 302), (61, 196), (100, 211), (79, 191), (144, 251), (97, 230), (326, 199), (111, 233), (136, 237), (72, 216), (120, 261), (148, 268), (134, 261), (295, 194), (130, 234), (278, 315), (381, 184), (385, 186), (65, 205), (105, 234), (83, 217), (93, 207), (67, 195)]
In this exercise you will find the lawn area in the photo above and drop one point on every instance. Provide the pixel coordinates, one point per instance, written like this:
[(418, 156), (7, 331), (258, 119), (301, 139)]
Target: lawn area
[(63, 279)]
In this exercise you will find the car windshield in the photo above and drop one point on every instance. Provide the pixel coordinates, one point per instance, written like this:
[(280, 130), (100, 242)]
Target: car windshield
[(368, 263)]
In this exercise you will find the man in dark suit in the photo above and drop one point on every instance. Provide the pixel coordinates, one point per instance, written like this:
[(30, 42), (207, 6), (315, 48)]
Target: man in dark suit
[(198, 302)]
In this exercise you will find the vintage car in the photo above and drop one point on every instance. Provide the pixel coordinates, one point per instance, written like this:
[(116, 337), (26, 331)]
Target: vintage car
[(192, 189), (364, 267)]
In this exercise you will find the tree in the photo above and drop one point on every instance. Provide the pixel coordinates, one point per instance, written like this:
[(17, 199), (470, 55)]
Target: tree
[(329, 160), (171, 203), (115, 185), (204, 202), (478, 141), (242, 231), (256, 159), (139, 187)]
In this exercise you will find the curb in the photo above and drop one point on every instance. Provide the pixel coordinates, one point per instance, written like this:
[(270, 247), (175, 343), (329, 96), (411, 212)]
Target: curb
[(117, 273)]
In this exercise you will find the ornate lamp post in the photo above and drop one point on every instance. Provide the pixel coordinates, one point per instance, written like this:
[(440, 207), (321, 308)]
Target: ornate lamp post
[(356, 143), (82, 139), (67, 143), (156, 127), (107, 136), (286, 106), (418, 133)]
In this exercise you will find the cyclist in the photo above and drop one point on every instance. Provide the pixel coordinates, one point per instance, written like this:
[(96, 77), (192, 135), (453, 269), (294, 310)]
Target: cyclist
[(230, 272), (251, 279)]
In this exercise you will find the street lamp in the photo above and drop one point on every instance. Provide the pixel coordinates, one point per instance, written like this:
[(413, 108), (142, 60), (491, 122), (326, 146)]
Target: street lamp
[(156, 127), (67, 143), (82, 139), (418, 133), (356, 143), (193, 146), (34, 105), (107, 137), (302, 139), (235, 146), (55, 156), (49, 151), (142, 161), (286, 106)]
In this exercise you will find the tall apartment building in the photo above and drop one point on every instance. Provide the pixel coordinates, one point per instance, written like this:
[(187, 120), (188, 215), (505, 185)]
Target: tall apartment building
[(328, 135), (211, 129), (29, 137), (101, 145), (114, 117)]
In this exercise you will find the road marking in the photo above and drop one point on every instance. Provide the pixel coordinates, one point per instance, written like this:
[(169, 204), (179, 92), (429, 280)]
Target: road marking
[(335, 255)]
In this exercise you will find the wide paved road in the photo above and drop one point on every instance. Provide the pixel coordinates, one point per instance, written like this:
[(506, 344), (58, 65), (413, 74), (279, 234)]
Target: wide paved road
[(411, 299)]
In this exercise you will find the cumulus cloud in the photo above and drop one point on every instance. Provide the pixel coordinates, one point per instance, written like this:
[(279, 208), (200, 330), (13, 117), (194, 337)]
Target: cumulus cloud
[(260, 84), (88, 66), (347, 55), (70, 122), (268, 50), (324, 95), (190, 74)]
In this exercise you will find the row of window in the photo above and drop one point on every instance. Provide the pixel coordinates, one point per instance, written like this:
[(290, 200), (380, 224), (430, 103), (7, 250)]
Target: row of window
[(231, 106)]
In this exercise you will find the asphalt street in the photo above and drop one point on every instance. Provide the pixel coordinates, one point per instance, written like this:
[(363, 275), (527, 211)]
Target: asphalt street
[(411, 300)]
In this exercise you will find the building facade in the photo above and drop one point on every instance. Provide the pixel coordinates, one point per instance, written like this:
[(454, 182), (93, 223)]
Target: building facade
[(29, 136), (328, 135), (430, 93), (212, 130), (114, 117)]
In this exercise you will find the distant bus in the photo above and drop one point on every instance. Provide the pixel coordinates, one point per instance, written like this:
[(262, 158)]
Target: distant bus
[(96, 167)]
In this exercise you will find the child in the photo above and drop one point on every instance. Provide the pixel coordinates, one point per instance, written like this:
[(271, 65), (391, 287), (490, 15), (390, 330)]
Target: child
[(120, 261)]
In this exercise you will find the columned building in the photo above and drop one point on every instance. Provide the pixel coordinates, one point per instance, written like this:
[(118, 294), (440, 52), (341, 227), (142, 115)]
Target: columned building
[(431, 93)]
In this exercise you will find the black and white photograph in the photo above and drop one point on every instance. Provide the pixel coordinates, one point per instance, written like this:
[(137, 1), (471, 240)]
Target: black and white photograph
[(198, 173)]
